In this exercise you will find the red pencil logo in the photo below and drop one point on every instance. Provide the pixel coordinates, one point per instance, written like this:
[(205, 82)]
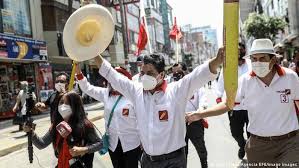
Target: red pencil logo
[(163, 115), (126, 112)]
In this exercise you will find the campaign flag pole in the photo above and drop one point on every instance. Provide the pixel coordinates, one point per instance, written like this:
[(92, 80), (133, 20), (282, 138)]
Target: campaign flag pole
[(177, 48), (231, 41)]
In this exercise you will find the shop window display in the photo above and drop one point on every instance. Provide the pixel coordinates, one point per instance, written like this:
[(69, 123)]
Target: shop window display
[(10, 75)]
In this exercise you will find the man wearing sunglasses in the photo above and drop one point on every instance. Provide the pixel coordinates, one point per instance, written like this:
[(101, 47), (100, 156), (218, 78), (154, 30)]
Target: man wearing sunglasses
[(61, 85)]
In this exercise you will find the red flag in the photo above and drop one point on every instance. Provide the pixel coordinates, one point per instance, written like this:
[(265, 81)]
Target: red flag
[(142, 37), (175, 32)]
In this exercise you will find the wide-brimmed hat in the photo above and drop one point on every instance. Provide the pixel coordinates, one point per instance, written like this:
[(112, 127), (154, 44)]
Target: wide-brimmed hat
[(261, 46), (88, 32)]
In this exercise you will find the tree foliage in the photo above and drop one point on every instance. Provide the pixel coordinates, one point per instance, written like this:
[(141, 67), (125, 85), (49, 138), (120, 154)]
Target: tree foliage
[(261, 26)]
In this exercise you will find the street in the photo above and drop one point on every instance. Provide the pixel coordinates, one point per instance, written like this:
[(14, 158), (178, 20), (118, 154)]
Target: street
[(222, 149)]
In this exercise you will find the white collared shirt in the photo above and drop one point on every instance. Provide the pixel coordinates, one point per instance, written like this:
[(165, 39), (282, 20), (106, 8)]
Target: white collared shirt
[(123, 125), (271, 109), (136, 78), (160, 116), (219, 90), (197, 101)]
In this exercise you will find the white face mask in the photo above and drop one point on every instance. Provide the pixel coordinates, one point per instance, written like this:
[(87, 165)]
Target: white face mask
[(65, 110), (60, 87), (261, 69), (148, 82)]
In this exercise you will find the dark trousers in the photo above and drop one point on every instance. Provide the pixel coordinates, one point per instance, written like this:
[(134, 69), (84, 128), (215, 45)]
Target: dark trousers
[(176, 162), (195, 132), (238, 119), (127, 159)]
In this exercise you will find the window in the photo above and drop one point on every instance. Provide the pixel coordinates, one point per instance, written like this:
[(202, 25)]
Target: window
[(159, 6), (153, 3), (16, 17), (132, 37)]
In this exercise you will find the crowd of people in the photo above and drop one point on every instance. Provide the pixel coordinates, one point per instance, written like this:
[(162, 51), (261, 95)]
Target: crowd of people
[(150, 117)]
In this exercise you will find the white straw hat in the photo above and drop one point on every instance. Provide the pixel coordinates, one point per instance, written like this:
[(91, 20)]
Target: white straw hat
[(88, 32), (261, 46)]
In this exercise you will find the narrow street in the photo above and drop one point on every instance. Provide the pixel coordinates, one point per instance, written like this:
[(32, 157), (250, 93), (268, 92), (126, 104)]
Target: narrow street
[(222, 149)]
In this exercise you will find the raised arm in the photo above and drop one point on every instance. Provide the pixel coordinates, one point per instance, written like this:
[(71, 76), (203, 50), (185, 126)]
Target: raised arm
[(97, 93), (119, 82)]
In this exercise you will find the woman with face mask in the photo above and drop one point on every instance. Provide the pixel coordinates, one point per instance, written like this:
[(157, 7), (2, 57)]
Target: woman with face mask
[(73, 136), (120, 118)]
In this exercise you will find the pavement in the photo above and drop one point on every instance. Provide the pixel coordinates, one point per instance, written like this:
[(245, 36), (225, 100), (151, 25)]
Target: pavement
[(12, 140), (222, 148), (45, 158)]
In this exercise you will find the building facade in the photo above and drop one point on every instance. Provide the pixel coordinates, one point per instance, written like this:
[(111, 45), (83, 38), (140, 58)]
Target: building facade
[(23, 52), (198, 44), (288, 10)]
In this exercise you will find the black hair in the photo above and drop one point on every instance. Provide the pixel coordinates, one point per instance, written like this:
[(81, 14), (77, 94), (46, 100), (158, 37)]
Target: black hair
[(77, 120), (242, 49), (156, 60), (242, 45), (296, 51), (271, 56), (65, 74), (178, 75), (183, 65), (140, 58)]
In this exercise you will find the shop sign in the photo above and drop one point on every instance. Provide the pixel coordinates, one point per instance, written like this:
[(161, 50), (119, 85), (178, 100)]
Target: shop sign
[(14, 47)]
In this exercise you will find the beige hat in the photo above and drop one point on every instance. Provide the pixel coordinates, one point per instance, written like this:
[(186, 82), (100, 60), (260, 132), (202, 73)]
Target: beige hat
[(88, 32), (261, 46)]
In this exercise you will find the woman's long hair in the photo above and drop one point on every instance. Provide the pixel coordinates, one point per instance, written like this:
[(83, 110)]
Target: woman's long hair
[(77, 119)]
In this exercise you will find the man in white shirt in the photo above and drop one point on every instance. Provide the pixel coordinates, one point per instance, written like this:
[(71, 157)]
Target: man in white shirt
[(160, 107), (269, 94), (238, 117), (195, 130)]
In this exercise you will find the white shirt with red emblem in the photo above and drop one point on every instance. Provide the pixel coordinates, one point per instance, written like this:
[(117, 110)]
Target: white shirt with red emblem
[(123, 125), (160, 116), (271, 109), (197, 101)]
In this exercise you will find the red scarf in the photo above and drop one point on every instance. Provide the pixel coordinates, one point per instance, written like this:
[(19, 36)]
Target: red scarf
[(114, 93), (64, 154)]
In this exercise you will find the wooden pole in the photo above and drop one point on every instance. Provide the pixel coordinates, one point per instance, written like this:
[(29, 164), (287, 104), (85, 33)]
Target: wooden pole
[(177, 48)]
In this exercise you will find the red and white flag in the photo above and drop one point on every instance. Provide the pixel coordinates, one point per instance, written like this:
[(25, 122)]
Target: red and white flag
[(142, 37), (175, 32)]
